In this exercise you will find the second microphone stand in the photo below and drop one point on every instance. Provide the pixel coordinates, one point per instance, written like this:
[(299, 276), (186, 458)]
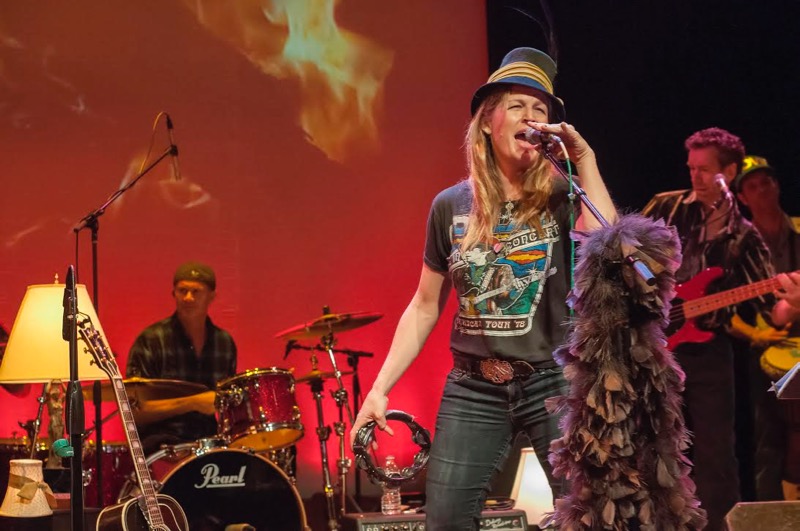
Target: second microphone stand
[(92, 222)]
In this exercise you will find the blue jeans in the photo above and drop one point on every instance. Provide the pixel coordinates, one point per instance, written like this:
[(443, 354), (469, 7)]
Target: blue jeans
[(475, 428)]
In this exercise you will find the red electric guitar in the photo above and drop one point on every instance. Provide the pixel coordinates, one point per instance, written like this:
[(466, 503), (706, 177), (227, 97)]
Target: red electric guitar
[(690, 302), (148, 511)]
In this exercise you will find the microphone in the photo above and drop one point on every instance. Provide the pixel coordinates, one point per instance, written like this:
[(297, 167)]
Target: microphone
[(69, 304), (723, 186), (173, 150), (534, 136)]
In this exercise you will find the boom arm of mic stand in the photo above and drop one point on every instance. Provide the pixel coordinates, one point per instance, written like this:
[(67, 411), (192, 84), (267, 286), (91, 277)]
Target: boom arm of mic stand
[(640, 267), (89, 219)]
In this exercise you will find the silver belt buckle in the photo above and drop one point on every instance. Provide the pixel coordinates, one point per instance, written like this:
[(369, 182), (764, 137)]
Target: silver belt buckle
[(497, 371)]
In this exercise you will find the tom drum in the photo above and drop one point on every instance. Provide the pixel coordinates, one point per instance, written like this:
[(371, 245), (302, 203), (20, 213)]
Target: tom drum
[(257, 409)]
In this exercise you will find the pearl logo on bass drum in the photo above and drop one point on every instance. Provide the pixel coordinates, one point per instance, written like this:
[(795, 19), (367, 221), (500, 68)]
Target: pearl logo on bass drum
[(212, 479)]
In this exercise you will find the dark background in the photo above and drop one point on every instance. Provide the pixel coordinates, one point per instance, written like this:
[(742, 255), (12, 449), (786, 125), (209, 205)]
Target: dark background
[(639, 77)]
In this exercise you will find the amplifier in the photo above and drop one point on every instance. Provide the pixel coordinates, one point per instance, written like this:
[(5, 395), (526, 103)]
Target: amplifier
[(506, 520)]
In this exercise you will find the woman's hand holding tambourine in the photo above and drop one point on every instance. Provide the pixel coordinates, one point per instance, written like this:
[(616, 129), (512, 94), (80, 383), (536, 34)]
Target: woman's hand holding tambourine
[(373, 410)]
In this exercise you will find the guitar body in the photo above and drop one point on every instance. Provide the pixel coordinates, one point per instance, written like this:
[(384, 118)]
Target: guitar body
[(688, 333), (693, 288), (128, 516)]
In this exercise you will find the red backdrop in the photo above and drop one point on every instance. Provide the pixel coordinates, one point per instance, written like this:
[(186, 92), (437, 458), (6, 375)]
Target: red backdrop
[(312, 139)]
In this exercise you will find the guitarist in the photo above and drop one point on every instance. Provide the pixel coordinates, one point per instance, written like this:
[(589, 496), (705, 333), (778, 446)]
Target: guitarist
[(185, 346), (714, 233), (777, 424)]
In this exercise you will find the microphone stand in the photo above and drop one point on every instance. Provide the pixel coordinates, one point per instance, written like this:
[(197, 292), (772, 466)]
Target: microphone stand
[(92, 221), (75, 414), (640, 267)]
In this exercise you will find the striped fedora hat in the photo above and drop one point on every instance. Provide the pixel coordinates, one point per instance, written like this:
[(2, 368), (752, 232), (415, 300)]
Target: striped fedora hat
[(528, 67)]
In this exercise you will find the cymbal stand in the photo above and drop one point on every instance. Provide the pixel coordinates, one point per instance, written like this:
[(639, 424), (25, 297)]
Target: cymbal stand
[(323, 433), (352, 360), (340, 396)]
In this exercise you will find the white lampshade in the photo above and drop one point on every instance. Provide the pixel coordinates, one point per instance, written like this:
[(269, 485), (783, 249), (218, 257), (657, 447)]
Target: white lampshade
[(36, 352), (531, 489)]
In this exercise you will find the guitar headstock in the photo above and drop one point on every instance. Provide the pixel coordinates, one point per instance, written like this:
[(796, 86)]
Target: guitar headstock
[(96, 346)]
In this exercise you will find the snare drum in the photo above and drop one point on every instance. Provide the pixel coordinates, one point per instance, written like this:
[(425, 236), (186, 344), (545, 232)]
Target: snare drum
[(231, 486), (117, 466), (257, 409)]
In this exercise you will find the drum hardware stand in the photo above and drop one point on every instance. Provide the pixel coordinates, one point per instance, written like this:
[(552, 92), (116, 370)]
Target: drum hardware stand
[(352, 361), (344, 462), (341, 398), (324, 327), (323, 433)]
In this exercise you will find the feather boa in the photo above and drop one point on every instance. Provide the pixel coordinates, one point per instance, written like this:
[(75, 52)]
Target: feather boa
[(624, 435)]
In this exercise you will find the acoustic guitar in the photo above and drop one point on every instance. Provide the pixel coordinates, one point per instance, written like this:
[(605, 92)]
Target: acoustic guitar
[(691, 302), (148, 511)]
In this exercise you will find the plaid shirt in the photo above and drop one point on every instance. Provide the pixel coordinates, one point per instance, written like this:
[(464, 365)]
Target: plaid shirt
[(738, 249), (163, 350)]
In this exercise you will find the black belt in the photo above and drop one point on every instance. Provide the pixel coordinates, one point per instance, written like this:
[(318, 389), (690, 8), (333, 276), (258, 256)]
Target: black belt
[(495, 370)]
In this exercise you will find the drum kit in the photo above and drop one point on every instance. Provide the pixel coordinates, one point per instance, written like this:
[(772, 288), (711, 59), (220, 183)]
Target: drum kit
[(258, 423)]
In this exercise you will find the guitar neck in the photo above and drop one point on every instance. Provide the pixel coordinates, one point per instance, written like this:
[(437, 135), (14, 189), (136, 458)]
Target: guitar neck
[(150, 502), (709, 303)]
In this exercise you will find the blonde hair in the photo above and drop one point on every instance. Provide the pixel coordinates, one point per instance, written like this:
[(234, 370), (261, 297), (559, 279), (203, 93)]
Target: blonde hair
[(485, 183)]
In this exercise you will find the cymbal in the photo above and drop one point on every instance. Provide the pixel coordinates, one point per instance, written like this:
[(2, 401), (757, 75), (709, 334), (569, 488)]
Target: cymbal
[(319, 375), (144, 389), (329, 323)]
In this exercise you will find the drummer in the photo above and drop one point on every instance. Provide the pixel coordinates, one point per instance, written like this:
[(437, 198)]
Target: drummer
[(185, 346)]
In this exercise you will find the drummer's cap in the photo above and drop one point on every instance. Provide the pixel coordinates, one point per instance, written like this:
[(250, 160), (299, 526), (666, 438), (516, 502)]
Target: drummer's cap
[(197, 272)]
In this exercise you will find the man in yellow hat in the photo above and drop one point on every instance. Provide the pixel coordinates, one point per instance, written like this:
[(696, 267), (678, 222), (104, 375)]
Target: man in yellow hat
[(775, 459)]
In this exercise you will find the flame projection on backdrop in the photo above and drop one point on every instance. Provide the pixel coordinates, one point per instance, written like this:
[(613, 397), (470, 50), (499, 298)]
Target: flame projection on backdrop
[(341, 74), (287, 228)]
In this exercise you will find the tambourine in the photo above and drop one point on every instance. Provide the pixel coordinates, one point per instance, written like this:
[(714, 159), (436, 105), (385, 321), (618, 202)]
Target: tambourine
[(366, 435)]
